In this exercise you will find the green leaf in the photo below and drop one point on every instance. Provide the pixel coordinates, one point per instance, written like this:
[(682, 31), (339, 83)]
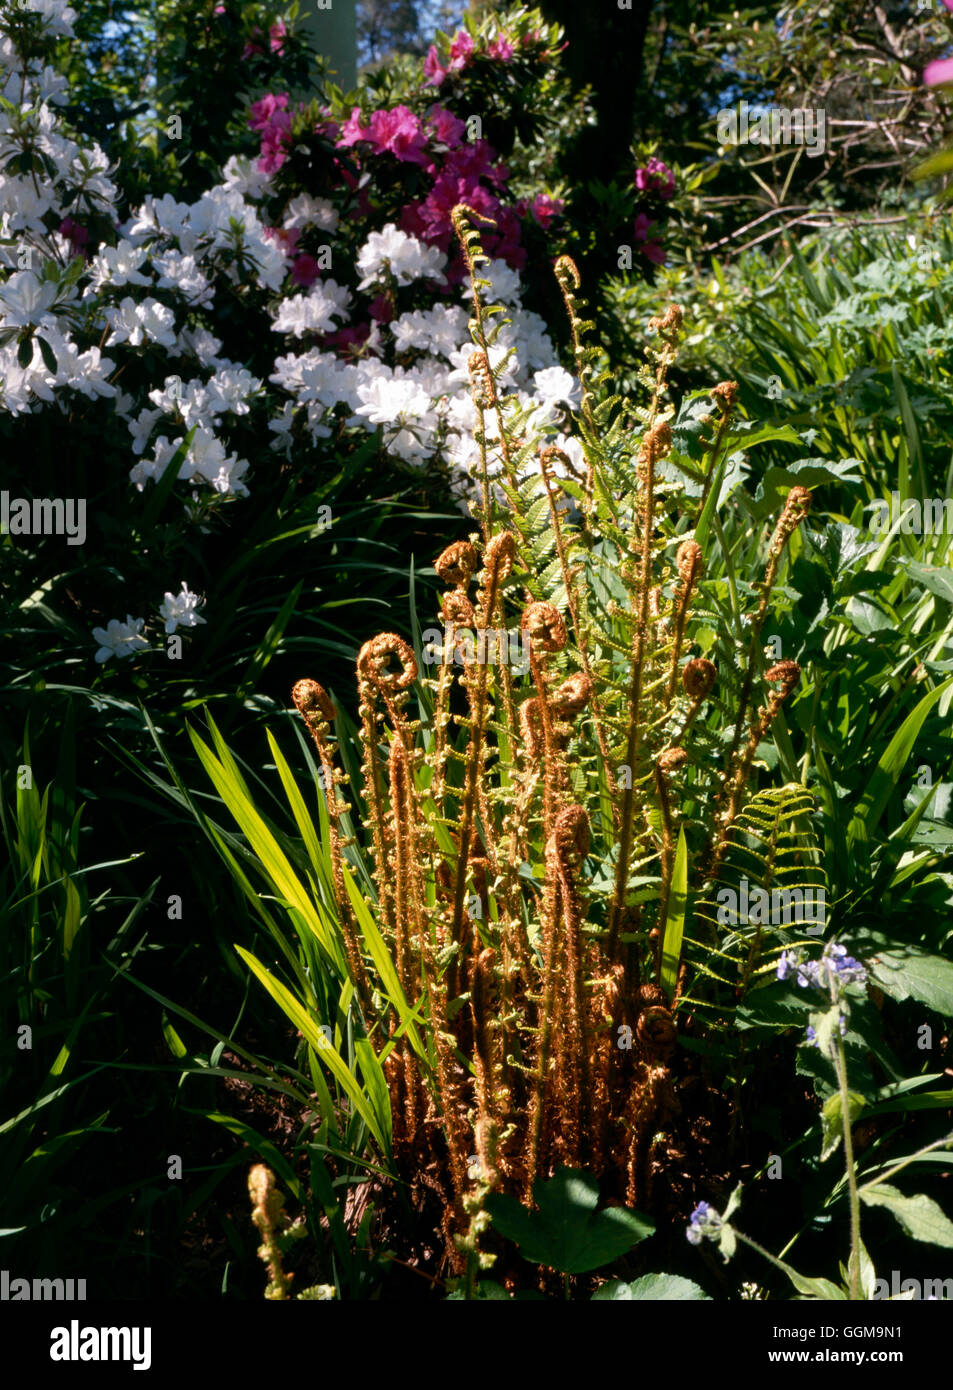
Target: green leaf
[(269, 643), (919, 1216), (831, 1120), (868, 1274), (650, 1286), (568, 1232), (675, 919), (306, 1025), (908, 973), (939, 163), (163, 487), (815, 1288), (48, 355), (889, 767)]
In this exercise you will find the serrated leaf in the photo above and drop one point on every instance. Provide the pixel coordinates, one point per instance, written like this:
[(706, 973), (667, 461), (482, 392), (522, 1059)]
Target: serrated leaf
[(908, 973), (832, 1129), (919, 1216)]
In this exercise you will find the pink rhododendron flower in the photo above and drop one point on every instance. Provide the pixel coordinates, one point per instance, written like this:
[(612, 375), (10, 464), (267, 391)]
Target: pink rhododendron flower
[(543, 208), (75, 234), (352, 131), (505, 244), (305, 270), (939, 72), (271, 117), (473, 162), (445, 127), (651, 248), (398, 131), (434, 70), (277, 35), (267, 109), (656, 178), (381, 309), (461, 51), (348, 341), (500, 48), (285, 237), (430, 219)]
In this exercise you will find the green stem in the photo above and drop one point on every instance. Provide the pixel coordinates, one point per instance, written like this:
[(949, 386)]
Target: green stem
[(840, 1066)]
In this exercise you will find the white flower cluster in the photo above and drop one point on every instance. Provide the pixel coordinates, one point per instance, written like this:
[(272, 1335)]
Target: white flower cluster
[(153, 295), (423, 403), (125, 639)]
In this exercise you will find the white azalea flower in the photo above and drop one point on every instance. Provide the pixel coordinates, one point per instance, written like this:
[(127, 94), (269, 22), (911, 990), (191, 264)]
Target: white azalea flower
[(120, 639), (180, 610), (24, 299), (555, 386), (135, 323), (406, 258), (315, 311), (305, 211)]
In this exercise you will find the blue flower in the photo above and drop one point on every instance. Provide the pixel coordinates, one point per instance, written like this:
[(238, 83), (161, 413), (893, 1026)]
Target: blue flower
[(705, 1221), (833, 972)]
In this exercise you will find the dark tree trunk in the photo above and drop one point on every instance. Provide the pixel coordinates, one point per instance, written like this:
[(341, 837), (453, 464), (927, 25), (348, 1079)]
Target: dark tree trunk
[(605, 51)]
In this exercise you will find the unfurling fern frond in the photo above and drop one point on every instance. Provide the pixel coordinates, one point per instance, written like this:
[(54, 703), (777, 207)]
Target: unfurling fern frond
[(770, 892)]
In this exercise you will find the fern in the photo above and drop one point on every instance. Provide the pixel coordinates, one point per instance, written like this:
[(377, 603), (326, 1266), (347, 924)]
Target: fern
[(772, 881)]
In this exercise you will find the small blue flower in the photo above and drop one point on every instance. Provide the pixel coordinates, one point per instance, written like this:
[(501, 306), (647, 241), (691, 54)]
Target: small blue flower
[(811, 1036), (705, 1221)]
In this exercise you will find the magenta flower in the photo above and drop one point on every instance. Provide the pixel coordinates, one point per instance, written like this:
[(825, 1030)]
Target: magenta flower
[(286, 239), (381, 309), (271, 117), (461, 51), (433, 69), (474, 162), (352, 130), (937, 73), (544, 209), (651, 247), (268, 109), (305, 270), (277, 35), (398, 131), (656, 178), (502, 49), (76, 235), (445, 127)]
